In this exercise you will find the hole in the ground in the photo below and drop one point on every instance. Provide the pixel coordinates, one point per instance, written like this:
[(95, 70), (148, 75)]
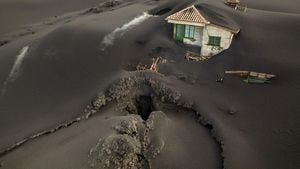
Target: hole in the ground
[(144, 106), (209, 126), (144, 162)]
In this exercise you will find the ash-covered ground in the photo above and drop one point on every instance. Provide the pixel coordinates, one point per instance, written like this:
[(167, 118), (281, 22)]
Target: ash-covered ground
[(71, 97)]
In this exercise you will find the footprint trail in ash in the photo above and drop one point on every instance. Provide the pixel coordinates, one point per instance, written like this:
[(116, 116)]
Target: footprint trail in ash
[(109, 39), (15, 71)]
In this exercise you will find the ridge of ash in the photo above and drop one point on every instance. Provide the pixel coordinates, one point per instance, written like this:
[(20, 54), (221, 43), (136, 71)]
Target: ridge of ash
[(4, 42), (101, 7), (141, 94)]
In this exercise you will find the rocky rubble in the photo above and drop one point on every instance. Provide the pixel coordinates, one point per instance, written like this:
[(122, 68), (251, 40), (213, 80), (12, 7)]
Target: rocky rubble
[(133, 146), (135, 141), (130, 87)]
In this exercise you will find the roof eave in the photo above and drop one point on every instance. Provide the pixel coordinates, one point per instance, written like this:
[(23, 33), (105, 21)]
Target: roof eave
[(185, 22)]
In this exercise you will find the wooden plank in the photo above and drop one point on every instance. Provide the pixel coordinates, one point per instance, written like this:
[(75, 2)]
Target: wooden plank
[(251, 74), (236, 72)]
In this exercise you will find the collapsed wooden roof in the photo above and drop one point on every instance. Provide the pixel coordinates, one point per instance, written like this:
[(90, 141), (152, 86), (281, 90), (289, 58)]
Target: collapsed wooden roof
[(199, 15)]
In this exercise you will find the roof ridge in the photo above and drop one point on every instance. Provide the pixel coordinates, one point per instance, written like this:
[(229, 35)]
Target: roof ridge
[(194, 16)]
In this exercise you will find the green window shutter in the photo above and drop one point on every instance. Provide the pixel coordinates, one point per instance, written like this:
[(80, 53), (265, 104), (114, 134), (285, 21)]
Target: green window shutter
[(214, 40), (189, 31), (180, 32)]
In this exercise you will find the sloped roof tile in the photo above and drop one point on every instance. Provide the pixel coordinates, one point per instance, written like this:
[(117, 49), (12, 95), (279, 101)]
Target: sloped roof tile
[(190, 14)]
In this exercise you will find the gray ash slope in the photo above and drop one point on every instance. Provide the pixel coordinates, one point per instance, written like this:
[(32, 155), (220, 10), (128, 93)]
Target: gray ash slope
[(22, 13), (64, 69), (170, 137)]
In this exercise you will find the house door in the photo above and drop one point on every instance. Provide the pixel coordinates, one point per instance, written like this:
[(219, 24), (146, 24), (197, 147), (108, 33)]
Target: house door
[(180, 31)]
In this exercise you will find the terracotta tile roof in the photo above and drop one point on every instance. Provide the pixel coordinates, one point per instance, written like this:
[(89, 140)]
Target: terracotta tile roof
[(190, 14)]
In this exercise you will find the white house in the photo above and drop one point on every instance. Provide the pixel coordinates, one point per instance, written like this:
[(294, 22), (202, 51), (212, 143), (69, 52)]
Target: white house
[(203, 27)]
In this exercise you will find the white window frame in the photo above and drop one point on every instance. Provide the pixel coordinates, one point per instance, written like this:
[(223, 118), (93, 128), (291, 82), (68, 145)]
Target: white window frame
[(189, 31)]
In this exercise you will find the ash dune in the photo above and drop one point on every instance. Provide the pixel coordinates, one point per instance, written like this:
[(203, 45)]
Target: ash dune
[(15, 69), (139, 119), (275, 6), (203, 124), (109, 39), (22, 13)]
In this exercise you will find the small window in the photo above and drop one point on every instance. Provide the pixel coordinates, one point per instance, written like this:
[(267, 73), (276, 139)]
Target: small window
[(214, 41), (189, 31)]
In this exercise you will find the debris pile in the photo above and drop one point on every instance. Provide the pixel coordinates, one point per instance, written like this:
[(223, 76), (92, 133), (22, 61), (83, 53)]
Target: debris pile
[(154, 65), (232, 3), (242, 8), (195, 57)]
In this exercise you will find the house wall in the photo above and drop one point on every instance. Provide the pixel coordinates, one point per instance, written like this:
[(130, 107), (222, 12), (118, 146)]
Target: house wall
[(197, 41), (212, 30)]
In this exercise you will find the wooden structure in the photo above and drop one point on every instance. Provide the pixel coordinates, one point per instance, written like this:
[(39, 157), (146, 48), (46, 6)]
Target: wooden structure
[(232, 3), (199, 26), (241, 8), (253, 74), (252, 77), (195, 57), (153, 67)]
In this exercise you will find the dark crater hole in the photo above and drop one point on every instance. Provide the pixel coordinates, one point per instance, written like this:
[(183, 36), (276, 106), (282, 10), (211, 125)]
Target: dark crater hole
[(144, 106)]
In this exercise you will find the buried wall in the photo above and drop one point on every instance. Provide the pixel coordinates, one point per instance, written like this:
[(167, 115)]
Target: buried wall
[(211, 30)]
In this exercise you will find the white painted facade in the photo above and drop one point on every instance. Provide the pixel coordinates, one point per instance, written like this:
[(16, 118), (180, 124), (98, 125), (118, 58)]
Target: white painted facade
[(197, 41), (213, 30), (201, 38)]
